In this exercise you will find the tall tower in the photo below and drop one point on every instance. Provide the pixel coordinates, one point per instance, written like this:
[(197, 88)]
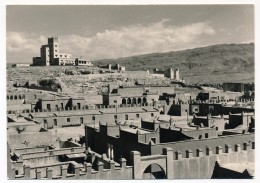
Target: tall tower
[(45, 55), (176, 74), (53, 50)]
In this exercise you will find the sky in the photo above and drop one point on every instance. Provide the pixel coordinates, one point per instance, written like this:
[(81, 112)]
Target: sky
[(112, 31)]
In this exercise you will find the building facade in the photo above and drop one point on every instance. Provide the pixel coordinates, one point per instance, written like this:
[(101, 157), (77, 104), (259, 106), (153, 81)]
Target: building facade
[(51, 55)]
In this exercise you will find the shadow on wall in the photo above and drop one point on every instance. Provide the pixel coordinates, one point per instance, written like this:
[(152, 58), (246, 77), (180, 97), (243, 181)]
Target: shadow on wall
[(224, 173)]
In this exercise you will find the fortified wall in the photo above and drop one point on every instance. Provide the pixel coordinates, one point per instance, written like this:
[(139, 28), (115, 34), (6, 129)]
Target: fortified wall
[(173, 164)]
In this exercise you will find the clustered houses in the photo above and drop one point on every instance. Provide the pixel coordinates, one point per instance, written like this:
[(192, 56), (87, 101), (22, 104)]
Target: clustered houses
[(132, 138), (159, 150), (51, 55), (81, 117)]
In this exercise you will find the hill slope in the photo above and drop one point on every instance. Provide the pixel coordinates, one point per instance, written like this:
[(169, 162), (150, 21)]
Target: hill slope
[(217, 63)]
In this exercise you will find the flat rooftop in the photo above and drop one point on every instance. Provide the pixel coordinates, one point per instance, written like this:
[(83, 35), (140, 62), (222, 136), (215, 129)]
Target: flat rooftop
[(128, 110), (134, 130), (17, 118), (95, 111)]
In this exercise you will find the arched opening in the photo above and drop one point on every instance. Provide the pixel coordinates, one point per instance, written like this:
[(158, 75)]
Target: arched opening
[(7, 97), (134, 100), (129, 101), (20, 97), (144, 100), (11, 97), (15, 97), (139, 100), (244, 146), (154, 171), (123, 101)]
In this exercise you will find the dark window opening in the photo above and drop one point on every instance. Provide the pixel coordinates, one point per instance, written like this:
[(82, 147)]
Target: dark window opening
[(154, 140), (81, 120), (55, 122), (206, 135)]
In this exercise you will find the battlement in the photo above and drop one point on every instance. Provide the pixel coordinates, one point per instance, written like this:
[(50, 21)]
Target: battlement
[(74, 170), (199, 165)]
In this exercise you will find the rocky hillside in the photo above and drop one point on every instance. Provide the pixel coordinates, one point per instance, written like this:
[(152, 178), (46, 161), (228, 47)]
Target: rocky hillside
[(217, 63)]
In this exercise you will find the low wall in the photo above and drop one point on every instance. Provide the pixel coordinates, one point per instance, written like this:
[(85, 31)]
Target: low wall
[(32, 139), (60, 171), (213, 143)]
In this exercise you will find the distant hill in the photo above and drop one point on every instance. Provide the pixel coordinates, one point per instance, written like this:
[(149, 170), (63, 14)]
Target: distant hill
[(216, 63)]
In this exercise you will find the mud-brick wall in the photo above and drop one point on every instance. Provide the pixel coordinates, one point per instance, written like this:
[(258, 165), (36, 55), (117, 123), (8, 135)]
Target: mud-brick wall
[(31, 138)]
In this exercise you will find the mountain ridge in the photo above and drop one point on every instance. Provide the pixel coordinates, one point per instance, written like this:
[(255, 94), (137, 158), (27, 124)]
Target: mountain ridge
[(235, 61)]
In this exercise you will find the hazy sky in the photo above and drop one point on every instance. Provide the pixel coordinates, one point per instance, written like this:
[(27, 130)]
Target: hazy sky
[(97, 32)]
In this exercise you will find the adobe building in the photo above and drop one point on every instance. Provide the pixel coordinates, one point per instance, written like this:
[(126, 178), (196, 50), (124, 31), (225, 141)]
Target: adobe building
[(68, 118), (113, 67), (176, 104), (241, 120), (58, 104), (173, 74), (82, 62), (51, 55), (127, 152), (185, 147), (139, 97), (22, 130), (218, 97), (217, 122), (235, 87)]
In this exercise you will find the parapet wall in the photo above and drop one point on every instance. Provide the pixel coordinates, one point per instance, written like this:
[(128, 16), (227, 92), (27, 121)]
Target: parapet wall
[(184, 166), (175, 165), (243, 140), (73, 170)]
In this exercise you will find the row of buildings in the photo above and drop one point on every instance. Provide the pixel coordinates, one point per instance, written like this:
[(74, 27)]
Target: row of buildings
[(155, 148)]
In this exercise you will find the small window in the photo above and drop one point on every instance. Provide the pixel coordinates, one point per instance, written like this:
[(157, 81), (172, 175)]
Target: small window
[(55, 50), (93, 118), (81, 120), (126, 117), (55, 122), (206, 135), (152, 114), (115, 116), (154, 140), (137, 115), (55, 45), (68, 119)]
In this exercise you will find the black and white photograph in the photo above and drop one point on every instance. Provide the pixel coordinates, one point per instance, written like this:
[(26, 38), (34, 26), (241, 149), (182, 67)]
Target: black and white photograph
[(136, 91)]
